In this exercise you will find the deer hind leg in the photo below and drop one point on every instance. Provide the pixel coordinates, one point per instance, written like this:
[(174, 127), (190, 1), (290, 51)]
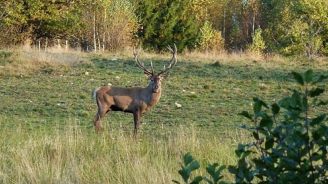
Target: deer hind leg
[(102, 111), (97, 123)]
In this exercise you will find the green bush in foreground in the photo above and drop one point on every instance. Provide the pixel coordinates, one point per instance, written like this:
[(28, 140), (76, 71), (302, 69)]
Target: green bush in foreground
[(190, 164), (290, 141)]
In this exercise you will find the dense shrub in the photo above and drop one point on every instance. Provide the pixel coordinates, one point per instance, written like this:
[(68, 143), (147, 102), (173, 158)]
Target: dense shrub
[(258, 44), (290, 140), (210, 39)]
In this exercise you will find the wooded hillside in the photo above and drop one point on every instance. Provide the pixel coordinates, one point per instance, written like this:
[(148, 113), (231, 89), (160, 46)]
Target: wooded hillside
[(287, 27)]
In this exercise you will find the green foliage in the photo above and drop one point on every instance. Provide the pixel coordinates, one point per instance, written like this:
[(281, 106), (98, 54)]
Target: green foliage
[(289, 146), (190, 165), (289, 27), (258, 44), (5, 54), (214, 170), (296, 27), (121, 24), (290, 141), (201, 9), (210, 39), (166, 22), (34, 19), (113, 23), (5, 57)]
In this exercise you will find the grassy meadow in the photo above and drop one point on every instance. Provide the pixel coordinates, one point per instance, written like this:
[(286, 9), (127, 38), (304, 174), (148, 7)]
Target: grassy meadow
[(46, 130)]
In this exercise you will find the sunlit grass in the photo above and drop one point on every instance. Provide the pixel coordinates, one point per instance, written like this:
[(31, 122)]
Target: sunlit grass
[(72, 154), (47, 135)]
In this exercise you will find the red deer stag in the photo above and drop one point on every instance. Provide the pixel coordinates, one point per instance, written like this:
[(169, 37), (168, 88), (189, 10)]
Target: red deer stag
[(134, 100)]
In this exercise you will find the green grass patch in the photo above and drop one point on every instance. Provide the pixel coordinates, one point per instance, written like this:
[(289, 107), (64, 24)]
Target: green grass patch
[(46, 117)]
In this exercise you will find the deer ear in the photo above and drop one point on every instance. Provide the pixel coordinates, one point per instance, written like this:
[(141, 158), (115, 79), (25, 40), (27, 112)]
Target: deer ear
[(163, 76)]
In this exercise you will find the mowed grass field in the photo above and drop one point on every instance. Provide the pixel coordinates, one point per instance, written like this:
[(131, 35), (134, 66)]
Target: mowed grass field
[(46, 130)]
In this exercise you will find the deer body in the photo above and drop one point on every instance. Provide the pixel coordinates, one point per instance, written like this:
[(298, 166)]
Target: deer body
[(131, 100), (134, 100), (127, 99)]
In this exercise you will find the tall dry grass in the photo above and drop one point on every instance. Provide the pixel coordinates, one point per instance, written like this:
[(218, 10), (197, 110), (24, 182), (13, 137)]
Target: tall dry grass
[(27, 60), (24, 61), (72, 154)]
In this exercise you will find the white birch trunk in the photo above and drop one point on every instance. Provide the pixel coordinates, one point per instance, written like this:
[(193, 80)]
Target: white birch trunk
[(94, 32), (66, 45), (46, 45)]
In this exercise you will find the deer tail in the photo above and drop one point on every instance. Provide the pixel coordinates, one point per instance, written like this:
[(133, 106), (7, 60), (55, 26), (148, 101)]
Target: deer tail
[(94, 93)]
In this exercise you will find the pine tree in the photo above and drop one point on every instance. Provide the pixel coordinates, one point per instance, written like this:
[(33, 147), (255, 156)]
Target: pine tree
[(166, 22)]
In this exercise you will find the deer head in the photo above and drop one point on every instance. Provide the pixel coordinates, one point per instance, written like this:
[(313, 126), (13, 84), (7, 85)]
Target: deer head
[(156, 78)]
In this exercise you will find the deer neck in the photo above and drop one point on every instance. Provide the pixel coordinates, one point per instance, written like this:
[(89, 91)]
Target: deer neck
[(153, 97)]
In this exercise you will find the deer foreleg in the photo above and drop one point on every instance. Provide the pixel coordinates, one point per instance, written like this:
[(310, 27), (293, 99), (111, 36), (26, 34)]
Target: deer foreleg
[(137, 117)]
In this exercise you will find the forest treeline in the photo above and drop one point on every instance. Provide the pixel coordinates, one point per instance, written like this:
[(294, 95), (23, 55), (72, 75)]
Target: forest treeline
[(287, 27)]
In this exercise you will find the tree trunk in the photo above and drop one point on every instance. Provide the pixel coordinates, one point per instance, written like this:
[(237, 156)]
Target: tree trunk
[(58, 44), (94, 32), (105, 28), (253, 24), (39, 45), (224, 19), (98, 38), (46, 45), (66, 45)]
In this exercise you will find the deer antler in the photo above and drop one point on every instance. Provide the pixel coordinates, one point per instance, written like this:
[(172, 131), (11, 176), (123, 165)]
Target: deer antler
[(173, 60), (142, 65)]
